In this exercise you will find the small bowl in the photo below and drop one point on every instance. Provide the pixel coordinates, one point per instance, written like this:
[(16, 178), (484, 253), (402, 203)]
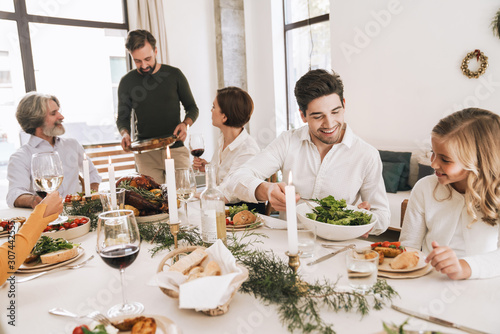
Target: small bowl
[(334, 232), (72, 233)]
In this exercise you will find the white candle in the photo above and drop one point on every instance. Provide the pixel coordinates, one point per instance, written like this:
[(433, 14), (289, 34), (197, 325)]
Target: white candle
[(86, 175), (171, 188), (112, 184), (291, 217)]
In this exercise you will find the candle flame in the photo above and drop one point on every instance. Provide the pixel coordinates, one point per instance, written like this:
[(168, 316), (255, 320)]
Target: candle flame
[(168, 152), (290, 178)]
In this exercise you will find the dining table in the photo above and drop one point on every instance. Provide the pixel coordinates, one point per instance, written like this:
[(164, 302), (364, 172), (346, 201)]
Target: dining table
[(96, 286)]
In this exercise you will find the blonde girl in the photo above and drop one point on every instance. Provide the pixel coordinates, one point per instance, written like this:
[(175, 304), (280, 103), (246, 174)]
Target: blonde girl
[(453, 215)]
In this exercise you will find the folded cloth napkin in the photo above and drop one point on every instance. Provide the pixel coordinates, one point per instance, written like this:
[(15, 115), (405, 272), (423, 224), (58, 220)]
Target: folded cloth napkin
[(205, 293)]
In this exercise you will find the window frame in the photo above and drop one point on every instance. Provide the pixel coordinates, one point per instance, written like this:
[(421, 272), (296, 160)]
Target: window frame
[(23, 19), (286, 28)]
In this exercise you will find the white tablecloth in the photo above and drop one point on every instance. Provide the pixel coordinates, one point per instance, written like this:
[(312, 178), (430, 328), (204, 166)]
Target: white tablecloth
[(474, 303)]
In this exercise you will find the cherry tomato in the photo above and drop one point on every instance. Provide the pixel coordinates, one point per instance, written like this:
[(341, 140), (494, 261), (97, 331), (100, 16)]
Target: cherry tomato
[(377, 244), (228, 222), (386, 244), (48, 228), (79, 330), (396, 243), (73, 225), (3, 223), (61, 228), (76, 221), (84, 220), (66, 225)]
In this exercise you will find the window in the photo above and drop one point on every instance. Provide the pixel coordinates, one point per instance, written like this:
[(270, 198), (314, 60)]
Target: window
[(307, 45), (68, 49)]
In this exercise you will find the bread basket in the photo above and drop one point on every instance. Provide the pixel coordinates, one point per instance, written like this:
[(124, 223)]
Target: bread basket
[(183, 251)]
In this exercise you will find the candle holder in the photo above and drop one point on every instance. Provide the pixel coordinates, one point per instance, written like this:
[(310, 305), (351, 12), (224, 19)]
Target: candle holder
[(174, 229), (294, 263)]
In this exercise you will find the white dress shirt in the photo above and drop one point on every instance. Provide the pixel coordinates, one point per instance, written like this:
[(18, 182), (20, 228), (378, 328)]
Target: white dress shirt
[(71, 154), (427, 220), (351, 170), (231, 158)]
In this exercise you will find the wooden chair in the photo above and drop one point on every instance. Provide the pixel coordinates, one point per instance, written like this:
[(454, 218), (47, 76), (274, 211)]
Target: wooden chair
[(269, 208), (99, 154)]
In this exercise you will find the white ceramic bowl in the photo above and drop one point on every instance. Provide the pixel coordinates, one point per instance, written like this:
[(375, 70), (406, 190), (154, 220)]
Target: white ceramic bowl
[(72, 233), (334, 232)]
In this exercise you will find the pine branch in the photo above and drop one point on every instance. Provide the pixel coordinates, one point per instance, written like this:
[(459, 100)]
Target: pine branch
[(495, 24)]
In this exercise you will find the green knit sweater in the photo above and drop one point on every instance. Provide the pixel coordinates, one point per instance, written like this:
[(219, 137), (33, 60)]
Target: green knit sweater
[(155, 101)]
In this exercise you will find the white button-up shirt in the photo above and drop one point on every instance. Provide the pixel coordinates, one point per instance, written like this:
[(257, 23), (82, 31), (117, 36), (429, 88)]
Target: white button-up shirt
[(71, 154), (351, 170), (231, 158)]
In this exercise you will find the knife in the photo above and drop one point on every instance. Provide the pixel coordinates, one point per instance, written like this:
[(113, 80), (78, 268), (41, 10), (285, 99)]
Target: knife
[(437, 320), (327, 256)]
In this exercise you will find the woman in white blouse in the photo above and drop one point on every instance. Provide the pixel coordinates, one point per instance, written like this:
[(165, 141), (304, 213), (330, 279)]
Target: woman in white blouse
[(231, 110)]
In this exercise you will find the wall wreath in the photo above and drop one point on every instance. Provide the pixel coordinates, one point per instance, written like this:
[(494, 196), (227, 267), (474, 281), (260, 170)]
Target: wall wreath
[(480, 57)]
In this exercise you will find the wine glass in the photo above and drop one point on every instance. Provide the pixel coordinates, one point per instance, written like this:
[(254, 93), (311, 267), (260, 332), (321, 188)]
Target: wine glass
[(118, 244), (196, 146), (48, 174), (185, 182)]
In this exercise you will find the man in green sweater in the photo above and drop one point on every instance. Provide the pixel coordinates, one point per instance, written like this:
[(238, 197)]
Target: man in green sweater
[(154, 92)]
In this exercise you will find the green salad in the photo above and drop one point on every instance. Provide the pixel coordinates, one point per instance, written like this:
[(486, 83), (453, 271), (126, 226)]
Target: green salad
[(335, 212)]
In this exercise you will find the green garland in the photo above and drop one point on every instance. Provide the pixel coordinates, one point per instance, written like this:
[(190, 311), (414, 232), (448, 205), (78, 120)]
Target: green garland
[(90, 209), (273, 281)]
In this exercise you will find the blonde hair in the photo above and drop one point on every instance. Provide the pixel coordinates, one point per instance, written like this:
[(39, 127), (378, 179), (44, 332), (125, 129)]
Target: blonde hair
[(32, 110), (473, 137)]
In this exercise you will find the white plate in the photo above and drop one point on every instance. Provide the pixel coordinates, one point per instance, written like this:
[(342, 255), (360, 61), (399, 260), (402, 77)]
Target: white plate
[(385, 266), (72, 233), (152, 218), (38, 267), (258, 223), (163, 324), (275, 223)]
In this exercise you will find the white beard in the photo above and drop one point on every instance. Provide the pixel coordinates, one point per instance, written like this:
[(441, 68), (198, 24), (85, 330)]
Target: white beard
[(53, 132)]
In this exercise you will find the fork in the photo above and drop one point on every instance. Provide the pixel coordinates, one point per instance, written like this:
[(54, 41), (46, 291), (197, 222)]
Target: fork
[(94, 315), (76, 266)]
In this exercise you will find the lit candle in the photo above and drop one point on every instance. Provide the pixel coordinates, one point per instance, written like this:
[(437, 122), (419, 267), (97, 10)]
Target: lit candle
[(291, 217), (86, 175), (112, 185), (171, 188)]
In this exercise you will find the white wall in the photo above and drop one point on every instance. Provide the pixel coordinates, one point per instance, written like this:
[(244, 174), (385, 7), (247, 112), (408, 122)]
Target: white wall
[(265, 68), (400, 62)]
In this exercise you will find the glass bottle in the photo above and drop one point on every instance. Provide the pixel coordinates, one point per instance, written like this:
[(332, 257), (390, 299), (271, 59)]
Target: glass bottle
[(213, 214)]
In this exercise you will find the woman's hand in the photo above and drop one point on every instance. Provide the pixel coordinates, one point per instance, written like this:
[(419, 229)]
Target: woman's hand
[(199, 164), (54, 204), (445, 260)]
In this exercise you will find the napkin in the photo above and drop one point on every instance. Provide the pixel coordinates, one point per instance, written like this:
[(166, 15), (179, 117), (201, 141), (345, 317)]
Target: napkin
[(206, 293)]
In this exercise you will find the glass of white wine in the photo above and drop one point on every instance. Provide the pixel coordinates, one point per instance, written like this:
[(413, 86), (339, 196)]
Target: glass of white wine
[(48, 174), (186, 186)]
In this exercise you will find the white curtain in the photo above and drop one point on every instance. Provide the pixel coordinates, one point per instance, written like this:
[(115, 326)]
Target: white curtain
[(149, 15)]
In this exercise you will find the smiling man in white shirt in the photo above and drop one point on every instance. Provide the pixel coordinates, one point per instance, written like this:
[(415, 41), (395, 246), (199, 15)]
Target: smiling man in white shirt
[(40, 117), (324, 156)]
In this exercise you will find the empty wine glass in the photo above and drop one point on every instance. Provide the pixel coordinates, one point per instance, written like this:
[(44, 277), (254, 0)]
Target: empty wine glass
[(118, 244), (196, 146), (185, 182)]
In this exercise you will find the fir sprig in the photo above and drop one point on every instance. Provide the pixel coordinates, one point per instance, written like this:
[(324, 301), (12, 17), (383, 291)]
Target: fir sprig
[(90, 209), (160, 235), (495, 24)]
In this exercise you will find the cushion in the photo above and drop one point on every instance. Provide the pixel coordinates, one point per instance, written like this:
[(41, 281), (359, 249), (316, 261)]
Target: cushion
[(424, 170), (392, 174), (401, 157)]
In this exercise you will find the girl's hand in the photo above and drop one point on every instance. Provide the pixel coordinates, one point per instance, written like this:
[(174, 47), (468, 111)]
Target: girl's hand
[(199, 164), (54, 204), (445, 260)]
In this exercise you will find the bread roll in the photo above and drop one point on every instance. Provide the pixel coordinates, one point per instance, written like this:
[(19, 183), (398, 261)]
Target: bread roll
[(185, 264), (406, 260), (59, 256), (212, 269), (146, 326), (243, 218)]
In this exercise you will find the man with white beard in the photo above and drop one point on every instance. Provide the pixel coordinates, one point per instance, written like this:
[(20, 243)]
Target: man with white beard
[(39, 116)]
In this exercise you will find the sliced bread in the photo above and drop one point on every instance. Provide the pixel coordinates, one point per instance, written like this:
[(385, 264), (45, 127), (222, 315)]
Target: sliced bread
[(185, 264), (59, 256)]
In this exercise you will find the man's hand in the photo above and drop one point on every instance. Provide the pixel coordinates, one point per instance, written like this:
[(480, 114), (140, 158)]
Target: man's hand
[(181, 131), (445, 260), (27, 201), (54, 204), (274, 193), (126, 141), (364, 205), (199, 164)]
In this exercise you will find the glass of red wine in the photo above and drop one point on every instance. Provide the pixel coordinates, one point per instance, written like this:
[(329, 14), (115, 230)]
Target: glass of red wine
[(118, 244), (196, 146)]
